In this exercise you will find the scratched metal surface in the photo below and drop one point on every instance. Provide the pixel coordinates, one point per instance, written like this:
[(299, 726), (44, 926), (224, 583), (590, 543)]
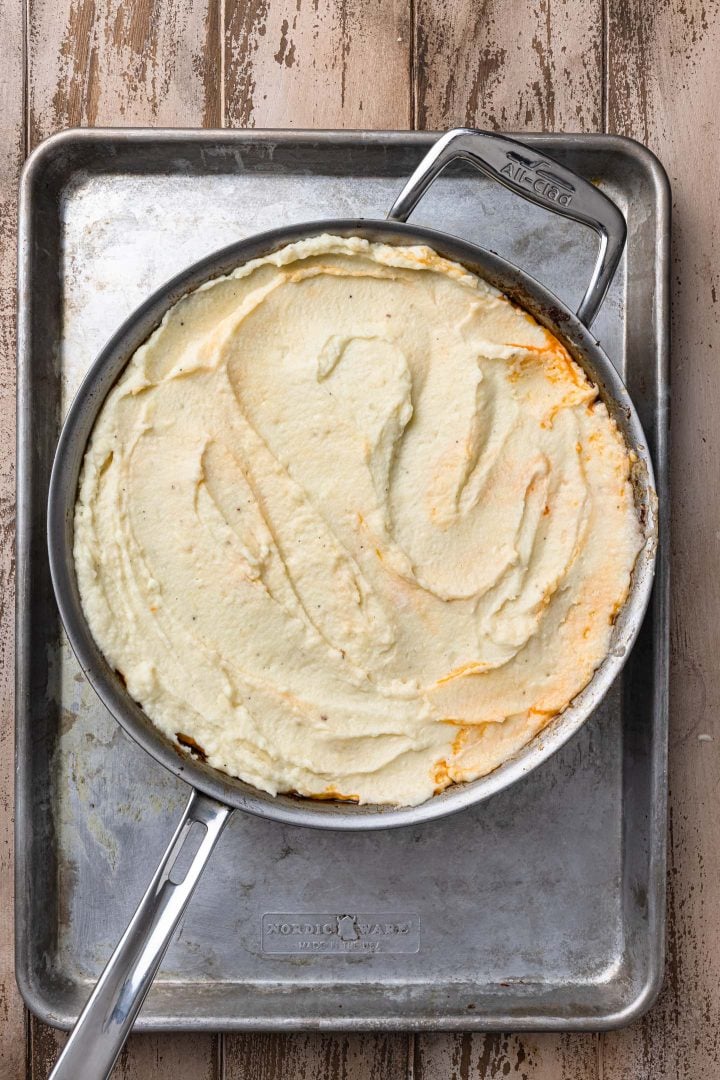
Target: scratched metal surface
[(540, 908)]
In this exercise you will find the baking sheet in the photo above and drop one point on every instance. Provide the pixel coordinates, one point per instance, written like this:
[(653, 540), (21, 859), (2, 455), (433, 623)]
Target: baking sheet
[(542, 908)]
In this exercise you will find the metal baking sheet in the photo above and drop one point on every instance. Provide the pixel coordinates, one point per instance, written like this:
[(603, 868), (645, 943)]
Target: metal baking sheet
[(542, 908)]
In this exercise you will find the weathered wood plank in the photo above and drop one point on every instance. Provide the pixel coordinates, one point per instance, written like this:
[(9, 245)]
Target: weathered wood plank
[(509, 64), (512, 65), (301, 63), (525, 1057), (317, 1057), (12, 143), (179, 1056), (174, 1056), (663, 89), (95, 62), (44, 1046)]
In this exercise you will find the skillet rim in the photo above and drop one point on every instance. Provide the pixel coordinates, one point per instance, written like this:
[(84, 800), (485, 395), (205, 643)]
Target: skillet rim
[(522, 289)]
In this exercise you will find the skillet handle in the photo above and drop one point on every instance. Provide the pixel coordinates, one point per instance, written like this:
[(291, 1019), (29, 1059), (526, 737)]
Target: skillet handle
[(105, 1022), (534, 176)]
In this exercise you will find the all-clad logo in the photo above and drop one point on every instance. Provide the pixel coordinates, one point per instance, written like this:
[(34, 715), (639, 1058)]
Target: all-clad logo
[(539, 176), (340, 932)]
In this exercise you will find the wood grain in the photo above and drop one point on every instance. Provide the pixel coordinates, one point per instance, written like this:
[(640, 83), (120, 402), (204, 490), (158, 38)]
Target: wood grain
[(317, 1057), (521, 1057), (178, 1056), (44, 1046), (181, 1056), (109, 62), (12, 145), (311, 63), (509, 64), (149, 62), (663, 89)]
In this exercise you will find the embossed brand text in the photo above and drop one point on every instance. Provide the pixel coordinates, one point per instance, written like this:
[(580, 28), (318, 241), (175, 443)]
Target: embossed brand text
[(541, 185)]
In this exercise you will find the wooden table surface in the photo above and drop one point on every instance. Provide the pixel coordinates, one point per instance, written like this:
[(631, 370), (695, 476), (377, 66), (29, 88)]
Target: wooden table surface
[(645, 68)]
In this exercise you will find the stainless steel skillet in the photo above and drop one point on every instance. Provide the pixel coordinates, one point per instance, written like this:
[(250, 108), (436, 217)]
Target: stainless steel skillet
[(113, 1006)]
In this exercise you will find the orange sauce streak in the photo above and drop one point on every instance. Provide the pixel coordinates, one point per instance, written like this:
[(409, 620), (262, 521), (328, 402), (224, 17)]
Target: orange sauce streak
[(473, 668)]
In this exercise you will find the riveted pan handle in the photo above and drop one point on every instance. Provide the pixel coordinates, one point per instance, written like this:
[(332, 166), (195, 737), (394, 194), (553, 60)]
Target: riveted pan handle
[(105, 1022), (538, 178)]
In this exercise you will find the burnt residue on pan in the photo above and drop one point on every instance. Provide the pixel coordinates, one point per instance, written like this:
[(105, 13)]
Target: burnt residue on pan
[(190, 744)]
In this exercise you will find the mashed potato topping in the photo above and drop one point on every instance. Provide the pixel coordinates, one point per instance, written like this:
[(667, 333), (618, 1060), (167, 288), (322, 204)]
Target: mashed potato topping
[(351, 524)]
